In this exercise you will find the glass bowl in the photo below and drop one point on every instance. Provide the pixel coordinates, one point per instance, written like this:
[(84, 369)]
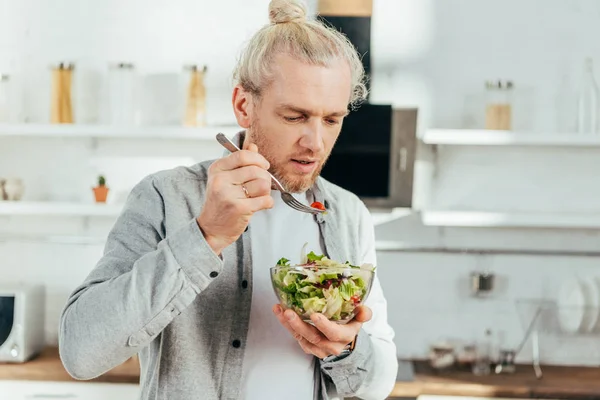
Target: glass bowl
[(332, 291)]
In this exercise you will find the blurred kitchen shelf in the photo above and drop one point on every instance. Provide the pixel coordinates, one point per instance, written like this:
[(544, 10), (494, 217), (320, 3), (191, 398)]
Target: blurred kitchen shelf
[(381, 217), (115, 132), (483, 137), (58, 209), (484, 219), (53, 239)]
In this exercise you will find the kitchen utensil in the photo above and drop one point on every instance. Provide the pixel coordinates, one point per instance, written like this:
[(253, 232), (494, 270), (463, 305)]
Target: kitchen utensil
[(571, 306), (506, 363), (592, 302), (597, 284), (285, 196), (535, 344)]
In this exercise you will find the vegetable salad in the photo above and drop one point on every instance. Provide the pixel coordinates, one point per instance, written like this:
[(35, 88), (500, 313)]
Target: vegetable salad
[(321, 285)]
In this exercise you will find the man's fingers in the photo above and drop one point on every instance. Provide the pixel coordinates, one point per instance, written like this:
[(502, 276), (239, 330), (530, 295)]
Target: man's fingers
[(310, 348), (278, 310), (242, 158), (298, 328), (258, 187), (307, 331), (335, 332), (260, 203), (302, 333), (249, 173)]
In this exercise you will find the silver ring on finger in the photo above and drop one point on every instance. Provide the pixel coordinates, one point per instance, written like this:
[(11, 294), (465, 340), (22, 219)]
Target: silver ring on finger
[(245, 191)]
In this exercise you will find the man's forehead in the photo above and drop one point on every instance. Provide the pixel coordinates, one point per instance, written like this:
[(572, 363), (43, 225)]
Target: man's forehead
[(306, 109)]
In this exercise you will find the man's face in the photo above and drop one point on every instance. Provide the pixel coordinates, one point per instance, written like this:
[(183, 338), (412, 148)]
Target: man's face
[(298, 118)]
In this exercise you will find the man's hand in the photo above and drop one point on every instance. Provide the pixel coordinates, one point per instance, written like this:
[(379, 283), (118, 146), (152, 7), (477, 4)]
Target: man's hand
[(238, 186), (326, 338)]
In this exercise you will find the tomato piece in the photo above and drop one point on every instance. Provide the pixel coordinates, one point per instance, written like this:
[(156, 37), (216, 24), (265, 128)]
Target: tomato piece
[(318, 205)]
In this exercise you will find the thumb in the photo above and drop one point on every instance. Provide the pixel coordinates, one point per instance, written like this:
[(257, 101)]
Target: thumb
[(363, 314)]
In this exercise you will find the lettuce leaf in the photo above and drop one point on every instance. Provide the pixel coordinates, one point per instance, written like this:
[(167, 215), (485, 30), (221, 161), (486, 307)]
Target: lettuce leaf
[(284, 262), (312, 257), (348, 289), (313, 305)]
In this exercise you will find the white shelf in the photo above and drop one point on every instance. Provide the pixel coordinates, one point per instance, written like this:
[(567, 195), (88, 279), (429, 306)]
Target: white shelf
[(481, 219), (53, 239), (482, 137), (115, 132), (56, 209), (383, 217)]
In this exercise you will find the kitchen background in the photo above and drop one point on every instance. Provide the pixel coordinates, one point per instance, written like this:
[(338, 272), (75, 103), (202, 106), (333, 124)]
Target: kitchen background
[(527, 211)]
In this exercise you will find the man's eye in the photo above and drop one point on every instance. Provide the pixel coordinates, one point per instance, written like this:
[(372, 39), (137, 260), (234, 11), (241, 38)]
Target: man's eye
[(293, 119), (331, 121)]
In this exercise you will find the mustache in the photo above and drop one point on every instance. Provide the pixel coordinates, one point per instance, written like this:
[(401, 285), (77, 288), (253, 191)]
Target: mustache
[(310, 155)]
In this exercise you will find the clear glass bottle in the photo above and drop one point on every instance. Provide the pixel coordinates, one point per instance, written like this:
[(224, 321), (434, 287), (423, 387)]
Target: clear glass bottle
[(4, 98), (498, 108), (122, 95), (588, 113), (483, 361)]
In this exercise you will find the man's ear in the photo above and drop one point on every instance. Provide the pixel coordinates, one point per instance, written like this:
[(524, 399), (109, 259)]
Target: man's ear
[(242, 106)]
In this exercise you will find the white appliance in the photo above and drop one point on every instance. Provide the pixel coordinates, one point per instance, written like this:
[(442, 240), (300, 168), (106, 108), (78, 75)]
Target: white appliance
[(22, 314)]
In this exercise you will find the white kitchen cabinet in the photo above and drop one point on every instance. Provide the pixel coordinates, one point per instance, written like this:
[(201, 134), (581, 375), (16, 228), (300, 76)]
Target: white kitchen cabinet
[(29, 390)]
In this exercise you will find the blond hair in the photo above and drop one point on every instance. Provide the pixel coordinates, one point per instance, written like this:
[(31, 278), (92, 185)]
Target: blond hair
[(309, 41)]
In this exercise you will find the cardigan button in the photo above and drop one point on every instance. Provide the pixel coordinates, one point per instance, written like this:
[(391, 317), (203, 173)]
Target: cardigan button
[(214, 274), (236, 343)]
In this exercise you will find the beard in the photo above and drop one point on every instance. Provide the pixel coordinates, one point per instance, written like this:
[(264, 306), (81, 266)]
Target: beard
[(280, 168)]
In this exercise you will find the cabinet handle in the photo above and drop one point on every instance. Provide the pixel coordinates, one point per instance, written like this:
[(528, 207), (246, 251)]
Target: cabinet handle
[(402, 159)]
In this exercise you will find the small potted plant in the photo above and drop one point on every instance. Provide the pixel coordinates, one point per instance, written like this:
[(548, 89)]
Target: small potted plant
[(101, 191)]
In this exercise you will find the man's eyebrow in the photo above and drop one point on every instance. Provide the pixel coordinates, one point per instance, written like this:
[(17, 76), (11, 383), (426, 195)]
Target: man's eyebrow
[(301, 110)]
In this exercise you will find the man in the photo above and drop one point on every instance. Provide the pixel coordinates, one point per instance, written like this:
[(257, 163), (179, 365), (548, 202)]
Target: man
[(184, 279)]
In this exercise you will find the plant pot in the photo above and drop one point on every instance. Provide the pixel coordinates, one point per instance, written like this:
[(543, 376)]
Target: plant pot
[(100, 193)]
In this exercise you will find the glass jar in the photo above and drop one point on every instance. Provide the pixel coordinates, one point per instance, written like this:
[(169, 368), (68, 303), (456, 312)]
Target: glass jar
[(588, 115), (483, 357), (195, 100), (4, 98), (62, 94), (498, 109), (122, 95)]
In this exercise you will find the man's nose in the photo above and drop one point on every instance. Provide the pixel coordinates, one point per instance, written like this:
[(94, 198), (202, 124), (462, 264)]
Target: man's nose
[(312, 137)]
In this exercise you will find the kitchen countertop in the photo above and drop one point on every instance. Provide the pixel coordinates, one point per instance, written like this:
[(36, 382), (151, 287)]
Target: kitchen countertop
[(557, 382), (48, 367), (563, 382)]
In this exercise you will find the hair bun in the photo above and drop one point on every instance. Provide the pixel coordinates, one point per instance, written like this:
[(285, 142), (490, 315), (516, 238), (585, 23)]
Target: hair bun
[(282, 11)]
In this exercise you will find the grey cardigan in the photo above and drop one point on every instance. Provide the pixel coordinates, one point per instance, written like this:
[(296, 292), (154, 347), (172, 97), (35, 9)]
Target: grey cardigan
[(159, 290)]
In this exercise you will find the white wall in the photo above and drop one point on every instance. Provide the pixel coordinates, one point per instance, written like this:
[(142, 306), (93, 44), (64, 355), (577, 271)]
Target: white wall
[(433, 54)]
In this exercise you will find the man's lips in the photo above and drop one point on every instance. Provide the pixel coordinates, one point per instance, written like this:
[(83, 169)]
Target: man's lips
[(304, 160), (304, 165)]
